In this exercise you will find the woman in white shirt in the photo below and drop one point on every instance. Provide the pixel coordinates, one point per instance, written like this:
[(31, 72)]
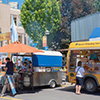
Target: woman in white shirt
[(79, 77)]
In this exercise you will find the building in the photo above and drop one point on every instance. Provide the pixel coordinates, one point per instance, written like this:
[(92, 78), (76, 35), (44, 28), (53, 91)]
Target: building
[(6, 14), (14, 5), (4, 20), (0, 1), (82, 28)]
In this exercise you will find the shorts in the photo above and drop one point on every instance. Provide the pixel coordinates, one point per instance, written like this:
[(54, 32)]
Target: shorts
[(79, 81)]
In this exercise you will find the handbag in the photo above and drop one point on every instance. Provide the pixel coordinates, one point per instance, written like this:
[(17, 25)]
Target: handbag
[(77, 71)]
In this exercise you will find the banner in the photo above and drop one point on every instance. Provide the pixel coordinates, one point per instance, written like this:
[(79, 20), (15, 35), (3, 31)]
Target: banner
[(44, 41), (11, 84), (33, 44), (5, 36), (46, 48)]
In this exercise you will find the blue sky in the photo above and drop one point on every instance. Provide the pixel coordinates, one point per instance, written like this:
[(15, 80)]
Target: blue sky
[(19, 1)]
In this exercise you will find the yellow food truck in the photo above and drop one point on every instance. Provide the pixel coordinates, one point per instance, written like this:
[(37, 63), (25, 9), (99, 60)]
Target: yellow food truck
[(81, 51)]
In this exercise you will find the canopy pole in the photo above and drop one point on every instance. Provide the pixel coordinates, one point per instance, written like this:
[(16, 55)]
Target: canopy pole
[(9, 54), (32, 73)]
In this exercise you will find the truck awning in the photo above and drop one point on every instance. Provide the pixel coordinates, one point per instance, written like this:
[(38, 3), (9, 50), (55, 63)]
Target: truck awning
[(95, 36)]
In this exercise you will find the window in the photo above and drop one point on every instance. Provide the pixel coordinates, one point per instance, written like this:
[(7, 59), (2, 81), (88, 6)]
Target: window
[(73, 60), (19, 22), (24, 40), (15, 20), (20, 39), (90, 59)]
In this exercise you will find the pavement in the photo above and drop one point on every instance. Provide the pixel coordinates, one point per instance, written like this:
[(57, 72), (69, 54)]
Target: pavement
[(66, 92)]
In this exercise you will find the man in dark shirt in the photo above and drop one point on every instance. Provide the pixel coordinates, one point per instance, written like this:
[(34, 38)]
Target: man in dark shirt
[(9, 67), (9, 72)]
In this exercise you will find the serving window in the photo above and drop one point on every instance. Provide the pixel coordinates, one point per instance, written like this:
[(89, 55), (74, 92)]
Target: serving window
[(90, 59)]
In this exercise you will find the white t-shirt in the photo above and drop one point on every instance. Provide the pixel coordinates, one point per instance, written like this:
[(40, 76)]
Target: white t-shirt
[(80, 71), (19, 63)]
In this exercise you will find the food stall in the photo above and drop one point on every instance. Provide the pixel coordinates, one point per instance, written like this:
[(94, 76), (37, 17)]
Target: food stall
[(46, 61), (49, 61), (17, 47), (46, 71)]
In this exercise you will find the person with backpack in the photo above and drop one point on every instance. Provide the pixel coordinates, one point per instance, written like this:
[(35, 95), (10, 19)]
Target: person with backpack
[(79, 77)]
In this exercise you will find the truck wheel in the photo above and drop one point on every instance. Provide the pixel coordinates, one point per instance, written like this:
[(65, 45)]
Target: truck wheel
[(90, 86), (52, 84)]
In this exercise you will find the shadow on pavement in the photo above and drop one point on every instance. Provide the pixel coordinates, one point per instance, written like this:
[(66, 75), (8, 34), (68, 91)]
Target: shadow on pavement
[(72, 89), (29, 90)]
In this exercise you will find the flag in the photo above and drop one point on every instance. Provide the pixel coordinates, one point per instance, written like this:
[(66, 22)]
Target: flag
[(44, 41), (14, 35)]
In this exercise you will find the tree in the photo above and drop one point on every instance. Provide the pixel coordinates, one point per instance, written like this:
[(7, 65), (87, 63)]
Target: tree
[(71, 10), (37, 16), (97, 4), (81, 8)]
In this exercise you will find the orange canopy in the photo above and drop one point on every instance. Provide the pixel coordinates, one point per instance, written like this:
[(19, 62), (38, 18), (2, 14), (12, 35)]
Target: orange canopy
[(17, 47)]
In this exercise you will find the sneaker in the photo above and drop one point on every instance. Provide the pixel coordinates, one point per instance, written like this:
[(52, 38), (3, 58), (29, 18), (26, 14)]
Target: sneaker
[(2, 95)]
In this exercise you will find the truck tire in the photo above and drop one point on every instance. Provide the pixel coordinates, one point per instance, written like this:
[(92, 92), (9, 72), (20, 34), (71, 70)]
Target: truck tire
[(90, 86), (52, 84)]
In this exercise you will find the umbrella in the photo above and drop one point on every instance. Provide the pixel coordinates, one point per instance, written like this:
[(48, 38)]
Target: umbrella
[(17, 47)]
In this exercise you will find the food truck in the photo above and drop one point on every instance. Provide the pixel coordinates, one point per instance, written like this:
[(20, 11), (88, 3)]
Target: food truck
[(81, 51), (45, 70)]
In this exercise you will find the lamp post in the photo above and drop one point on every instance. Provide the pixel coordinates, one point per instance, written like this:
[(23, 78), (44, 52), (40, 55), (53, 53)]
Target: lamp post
[(47, 33)]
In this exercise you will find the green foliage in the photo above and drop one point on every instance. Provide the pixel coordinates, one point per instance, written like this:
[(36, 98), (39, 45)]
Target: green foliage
[(37, 16), (81, 8), (97, 4), (71, 10)]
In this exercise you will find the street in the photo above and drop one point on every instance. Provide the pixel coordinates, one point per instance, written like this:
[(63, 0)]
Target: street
[(59, 93)]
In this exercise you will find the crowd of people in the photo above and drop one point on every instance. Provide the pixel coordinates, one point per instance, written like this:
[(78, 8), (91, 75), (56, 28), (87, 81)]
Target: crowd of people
[(10, 68), (24, 66)]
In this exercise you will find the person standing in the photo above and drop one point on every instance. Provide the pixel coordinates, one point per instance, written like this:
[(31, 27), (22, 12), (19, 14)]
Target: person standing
[(26, 61), (9, 72), (79, 77), (19, 63), (93, 56), (30, 65), (25, 67)]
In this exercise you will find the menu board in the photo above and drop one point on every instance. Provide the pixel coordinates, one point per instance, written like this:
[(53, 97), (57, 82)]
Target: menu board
[(97, 66)]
